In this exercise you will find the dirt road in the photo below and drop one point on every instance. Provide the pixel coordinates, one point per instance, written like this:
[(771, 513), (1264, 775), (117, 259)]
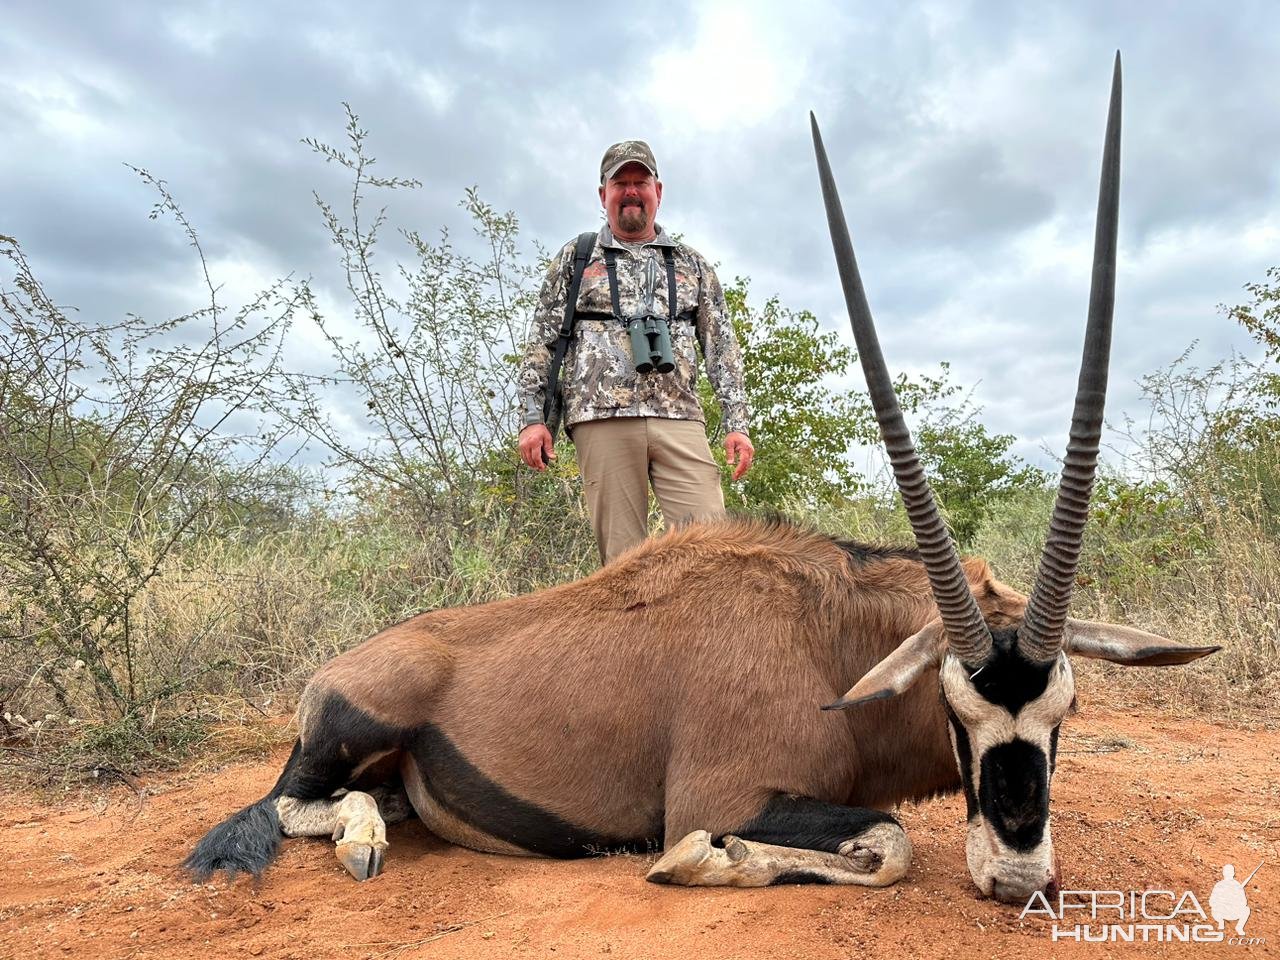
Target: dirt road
[(1141, 801)]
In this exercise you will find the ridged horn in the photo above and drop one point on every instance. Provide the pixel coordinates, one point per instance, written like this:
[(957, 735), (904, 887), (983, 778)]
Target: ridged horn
[(967, 632), (1040, 636)]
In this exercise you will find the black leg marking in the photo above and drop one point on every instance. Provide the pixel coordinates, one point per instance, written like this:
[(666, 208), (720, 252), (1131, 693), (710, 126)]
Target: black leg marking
[(799, 876), (338, 740), (473, 798), (790, 821)]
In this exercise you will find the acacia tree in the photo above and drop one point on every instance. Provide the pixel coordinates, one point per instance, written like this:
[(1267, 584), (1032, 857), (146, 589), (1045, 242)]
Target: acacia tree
[(1261, 317), (800, 425), (121, 442), (1213, 434), (803, 427), (970, 470), (431, 359)]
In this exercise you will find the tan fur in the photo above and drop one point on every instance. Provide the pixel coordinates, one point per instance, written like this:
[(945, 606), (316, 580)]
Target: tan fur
[(686, 677)]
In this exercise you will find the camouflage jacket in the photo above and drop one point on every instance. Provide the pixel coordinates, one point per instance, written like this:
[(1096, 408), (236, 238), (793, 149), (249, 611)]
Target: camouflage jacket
[(598, 377)]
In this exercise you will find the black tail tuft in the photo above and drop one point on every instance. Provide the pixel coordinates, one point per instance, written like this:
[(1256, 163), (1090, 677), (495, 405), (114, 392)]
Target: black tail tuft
[(245, 842)]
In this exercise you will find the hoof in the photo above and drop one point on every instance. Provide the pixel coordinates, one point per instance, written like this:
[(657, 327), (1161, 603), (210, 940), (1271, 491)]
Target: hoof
[(680, 864), (735, 849), (882, 854), (866, 859), (362, 860)]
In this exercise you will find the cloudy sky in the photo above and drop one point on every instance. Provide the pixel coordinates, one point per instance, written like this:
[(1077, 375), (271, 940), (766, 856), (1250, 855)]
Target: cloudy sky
[(966, 139)]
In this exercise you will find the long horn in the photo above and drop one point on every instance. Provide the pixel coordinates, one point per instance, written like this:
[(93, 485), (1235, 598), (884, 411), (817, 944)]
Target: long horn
[(1040, 636), (967, 632)]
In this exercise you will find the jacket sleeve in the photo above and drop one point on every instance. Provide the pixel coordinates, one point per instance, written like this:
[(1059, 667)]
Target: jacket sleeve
[(545, 328), (721, 350)]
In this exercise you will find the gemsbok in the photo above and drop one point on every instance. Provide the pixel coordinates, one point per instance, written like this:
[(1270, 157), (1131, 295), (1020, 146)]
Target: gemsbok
[(671, 700)]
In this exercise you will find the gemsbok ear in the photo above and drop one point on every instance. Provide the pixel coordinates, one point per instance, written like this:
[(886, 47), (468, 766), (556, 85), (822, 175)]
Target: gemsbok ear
[(1127, 646), (899, 670)]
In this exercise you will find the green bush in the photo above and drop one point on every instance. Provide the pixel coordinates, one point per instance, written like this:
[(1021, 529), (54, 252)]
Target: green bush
[(160, 572)]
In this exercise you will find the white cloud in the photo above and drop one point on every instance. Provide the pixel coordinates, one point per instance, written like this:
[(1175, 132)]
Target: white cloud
[(435, 89), (729, 74), (205, 27), (57, 102), (966, 139)]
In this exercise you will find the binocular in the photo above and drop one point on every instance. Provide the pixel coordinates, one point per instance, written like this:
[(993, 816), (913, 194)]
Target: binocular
[(651, 344)]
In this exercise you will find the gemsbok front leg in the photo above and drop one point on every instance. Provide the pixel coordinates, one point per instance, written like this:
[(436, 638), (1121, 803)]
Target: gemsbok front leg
[(792, 840)]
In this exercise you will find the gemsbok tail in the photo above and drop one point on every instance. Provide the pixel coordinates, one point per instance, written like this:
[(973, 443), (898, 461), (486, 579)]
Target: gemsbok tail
[(248, 840), (245, 842)]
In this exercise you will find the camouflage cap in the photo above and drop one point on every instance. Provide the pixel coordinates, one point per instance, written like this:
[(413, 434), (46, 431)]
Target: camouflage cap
[(627, 151)]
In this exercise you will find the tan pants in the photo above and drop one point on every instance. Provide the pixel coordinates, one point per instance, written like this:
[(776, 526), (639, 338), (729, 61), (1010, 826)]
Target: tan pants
[(620, 457)]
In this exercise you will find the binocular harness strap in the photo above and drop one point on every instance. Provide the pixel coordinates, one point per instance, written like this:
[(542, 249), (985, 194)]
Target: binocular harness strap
[(669, 255), (611, 266), (551, 406)]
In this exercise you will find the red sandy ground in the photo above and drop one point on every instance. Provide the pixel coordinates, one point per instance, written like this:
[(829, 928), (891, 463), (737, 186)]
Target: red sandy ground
[(1141, 800)]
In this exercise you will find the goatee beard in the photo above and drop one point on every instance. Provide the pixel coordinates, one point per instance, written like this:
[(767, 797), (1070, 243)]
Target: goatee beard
[(633, 219)]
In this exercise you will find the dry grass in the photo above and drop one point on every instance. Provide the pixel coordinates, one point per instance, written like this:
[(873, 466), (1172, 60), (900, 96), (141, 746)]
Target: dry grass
[(1207, 572), (1229, 596), (233, 628), (227, 636)]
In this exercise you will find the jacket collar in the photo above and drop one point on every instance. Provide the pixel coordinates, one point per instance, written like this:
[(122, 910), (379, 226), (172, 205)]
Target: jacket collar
[(661, 240)]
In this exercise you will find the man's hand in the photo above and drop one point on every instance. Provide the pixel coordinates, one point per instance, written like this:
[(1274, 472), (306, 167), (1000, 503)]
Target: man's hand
[(535, 440), (738, 450)]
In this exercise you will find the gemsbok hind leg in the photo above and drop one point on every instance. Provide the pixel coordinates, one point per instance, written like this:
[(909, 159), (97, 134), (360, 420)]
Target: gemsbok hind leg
[(354, 720), (356, 821), (339, 747), (792, 840)]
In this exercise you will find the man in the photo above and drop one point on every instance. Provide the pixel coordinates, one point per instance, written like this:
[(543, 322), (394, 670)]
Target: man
[(631, 428)]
